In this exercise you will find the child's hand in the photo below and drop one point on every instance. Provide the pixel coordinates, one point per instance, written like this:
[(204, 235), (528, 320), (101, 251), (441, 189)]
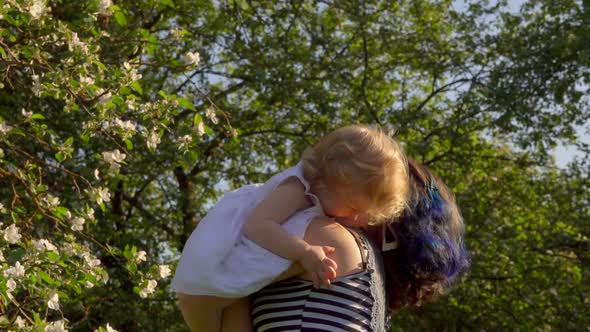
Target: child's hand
[(319, 266)]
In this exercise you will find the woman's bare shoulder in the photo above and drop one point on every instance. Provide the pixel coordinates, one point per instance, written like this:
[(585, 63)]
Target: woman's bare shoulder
[(327, 232)]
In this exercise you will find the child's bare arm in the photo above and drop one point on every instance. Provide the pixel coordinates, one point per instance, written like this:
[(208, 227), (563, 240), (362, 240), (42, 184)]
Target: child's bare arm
[(263, 227)]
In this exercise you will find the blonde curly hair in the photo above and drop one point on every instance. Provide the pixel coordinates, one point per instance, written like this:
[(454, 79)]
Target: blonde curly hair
[(365, 160)]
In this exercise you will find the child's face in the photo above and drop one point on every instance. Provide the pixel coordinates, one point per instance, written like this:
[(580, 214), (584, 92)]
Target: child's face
[(346, 206)]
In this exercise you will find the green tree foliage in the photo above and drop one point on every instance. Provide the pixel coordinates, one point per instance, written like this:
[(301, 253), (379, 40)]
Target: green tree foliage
[(121, 122)]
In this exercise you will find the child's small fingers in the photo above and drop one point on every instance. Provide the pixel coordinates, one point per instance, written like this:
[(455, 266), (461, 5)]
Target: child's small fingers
[(328, 249), (330, 273), (328, 262), (325, 280)]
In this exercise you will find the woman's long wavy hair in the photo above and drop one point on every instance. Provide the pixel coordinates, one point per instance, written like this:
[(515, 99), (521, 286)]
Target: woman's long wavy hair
[(430, 253)]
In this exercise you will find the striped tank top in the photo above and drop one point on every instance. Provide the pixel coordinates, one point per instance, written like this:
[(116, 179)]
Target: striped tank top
[(352, 303)]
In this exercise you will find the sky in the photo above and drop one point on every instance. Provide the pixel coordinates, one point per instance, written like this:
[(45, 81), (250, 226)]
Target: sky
[(563, 153)]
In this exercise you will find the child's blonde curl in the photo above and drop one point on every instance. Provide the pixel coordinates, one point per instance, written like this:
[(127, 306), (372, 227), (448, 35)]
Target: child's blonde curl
[(364, 160)]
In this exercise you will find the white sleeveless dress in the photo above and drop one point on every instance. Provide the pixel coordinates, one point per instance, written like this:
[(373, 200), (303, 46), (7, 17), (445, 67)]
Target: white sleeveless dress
[(219, 260)]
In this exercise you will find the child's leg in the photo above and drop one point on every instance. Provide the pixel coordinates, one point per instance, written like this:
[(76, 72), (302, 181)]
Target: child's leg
[(202, 313), (236, 317)]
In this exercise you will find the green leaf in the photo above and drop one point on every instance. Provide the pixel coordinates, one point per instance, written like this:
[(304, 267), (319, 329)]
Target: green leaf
[(46, 277), (120, 17), (76, 287), (52, 256), (137, 87), (85, 137), (100, 64), (124, 90), (69, 141), (117, 99), (37, 116), (2, 52), (59, 156), (132, 267), (129, 251), (168, 3), (16, 255), (186, 103), (197, 119), (18, 131), (37, 318), (144, 33), (129, 144), (61, 212), (41, 188)]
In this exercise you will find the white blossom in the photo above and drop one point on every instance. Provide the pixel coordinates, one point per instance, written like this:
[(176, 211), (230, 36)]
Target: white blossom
[(2, 259), (90, 213), (37, 87), (10, 285), (149, 289), (38, 8), (211, 115), (96, 174), (113, 157), (78, 224), (105, 98), (164, 271), (110, 329), (140, 257), (130, 104), (91, 260), (201, 129), (126, 125), (17, 271), (89, 284), (57, 326), (153, 140), (175, 33), (103, 7), (86, 80), (191, 58), (185, 141), (11, 234), (4, 128), (38, 245), (43, 244), (68, 249), (101, 194), (76, 43), (134, 75), (19, 322), (50, 201), (27, 114), (53, 301), (233, 132)]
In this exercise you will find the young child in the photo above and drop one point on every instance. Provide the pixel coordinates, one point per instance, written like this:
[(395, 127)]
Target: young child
[(356, 174)]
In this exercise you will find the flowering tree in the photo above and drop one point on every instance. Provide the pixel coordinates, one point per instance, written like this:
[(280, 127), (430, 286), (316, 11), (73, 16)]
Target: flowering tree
[(79, 130)]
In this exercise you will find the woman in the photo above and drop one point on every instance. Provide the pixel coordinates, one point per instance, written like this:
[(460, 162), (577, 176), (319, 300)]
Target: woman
[(422, 254)]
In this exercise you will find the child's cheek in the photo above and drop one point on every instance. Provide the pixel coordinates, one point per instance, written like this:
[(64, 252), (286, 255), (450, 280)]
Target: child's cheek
[(347, 221)]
